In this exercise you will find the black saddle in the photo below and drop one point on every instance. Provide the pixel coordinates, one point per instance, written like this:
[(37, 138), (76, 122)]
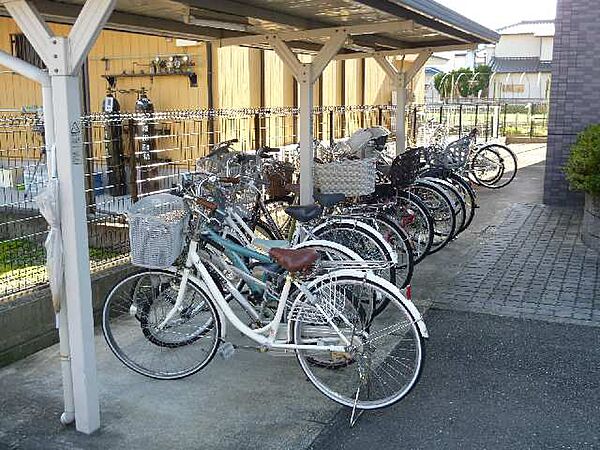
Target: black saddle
[(329, 200), (304, 213)]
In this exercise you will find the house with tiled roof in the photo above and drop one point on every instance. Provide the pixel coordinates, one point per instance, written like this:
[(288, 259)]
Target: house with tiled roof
[(522, 61)]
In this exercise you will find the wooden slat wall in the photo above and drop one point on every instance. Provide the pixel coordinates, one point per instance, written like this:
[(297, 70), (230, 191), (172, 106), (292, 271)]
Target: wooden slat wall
[(237, 84), (16, 90)]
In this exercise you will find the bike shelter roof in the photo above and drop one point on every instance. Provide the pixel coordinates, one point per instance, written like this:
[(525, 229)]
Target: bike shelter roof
[(380, 25)]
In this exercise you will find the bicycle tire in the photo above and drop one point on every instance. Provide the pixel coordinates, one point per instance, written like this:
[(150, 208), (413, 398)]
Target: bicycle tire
[(462, 186), (375, 341), (442, 213), (355, 238), (397, 237), (458, 203), (416, 220), (132, 323), (507, 163), (469, 196)]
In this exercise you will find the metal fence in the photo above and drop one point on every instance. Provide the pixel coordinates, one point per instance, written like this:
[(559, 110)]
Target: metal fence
[(132, 155)]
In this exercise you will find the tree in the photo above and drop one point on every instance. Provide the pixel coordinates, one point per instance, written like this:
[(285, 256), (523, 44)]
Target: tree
[(463, 82), (481, 80)]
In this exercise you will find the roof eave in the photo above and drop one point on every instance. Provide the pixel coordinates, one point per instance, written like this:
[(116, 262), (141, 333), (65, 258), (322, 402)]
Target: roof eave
[(449, 17)]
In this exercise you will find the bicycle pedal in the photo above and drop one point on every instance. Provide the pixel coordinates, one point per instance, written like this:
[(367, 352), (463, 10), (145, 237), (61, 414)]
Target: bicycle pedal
[(226, 350)]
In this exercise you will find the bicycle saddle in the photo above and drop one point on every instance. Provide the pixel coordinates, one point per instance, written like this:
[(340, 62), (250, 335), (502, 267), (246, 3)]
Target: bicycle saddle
[(304, 213), (294, 260), (329, 200)]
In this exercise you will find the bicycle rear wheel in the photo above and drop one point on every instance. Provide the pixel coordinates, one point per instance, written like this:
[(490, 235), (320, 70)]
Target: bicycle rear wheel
[(415, 219), (383, 354), (393, 233), (468, 195), (135, 308), (458, 203), (440, 208), (367, 242)]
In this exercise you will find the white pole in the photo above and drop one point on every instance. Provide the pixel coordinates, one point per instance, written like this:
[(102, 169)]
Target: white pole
[(400, 88), (305, 126), (33, 73), (68, 415), (69, 151), (306, 75), (63, 57)]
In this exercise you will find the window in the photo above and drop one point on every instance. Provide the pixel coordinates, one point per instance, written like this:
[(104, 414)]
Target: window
[(21, 48)]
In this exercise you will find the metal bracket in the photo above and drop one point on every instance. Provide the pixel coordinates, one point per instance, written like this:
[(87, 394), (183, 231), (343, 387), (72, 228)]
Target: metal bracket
[(58, 62), (308, 72)]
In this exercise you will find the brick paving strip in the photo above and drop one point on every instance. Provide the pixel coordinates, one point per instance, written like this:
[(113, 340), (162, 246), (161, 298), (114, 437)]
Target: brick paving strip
[(533, 266)]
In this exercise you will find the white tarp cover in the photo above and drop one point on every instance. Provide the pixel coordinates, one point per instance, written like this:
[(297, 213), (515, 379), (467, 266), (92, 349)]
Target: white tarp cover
[(47, 201)]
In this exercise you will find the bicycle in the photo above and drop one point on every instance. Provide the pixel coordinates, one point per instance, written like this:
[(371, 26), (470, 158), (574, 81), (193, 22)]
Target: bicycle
[(168, 323)]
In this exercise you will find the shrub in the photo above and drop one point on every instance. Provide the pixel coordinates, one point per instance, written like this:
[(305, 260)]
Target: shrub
[(583, 166)]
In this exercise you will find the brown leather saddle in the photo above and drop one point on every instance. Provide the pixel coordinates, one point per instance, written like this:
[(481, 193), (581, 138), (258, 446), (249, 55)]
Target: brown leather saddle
[(294, 260)]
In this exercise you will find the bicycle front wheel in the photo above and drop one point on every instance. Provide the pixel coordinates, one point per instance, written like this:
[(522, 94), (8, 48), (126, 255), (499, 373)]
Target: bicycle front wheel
[(132, 323), (393, 233), (494, 166), (383, 354), (416, 220)]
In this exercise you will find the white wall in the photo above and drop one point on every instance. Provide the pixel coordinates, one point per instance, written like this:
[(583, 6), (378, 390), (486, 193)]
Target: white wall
[(431, 93), (459, 61), (518, 45), (546, 52), (533, 86)]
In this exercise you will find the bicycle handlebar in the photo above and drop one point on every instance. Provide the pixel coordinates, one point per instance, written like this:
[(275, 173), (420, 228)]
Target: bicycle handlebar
[(265, 152), (222, 147)]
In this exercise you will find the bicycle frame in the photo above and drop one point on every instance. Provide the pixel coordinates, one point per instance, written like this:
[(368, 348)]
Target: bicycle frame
[(266, 335)]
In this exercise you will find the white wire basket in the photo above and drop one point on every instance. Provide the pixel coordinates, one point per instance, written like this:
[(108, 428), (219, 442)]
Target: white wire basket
[(156, 228), (349, 177)]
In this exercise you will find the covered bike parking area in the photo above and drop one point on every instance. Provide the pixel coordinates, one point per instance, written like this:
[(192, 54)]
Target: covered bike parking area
[(407, 31)]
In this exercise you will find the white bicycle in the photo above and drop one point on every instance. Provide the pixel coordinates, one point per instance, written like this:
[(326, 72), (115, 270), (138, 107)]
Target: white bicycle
[(168, 324)]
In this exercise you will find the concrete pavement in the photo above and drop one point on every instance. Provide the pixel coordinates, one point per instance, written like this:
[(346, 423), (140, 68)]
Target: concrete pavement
[(490, 383)]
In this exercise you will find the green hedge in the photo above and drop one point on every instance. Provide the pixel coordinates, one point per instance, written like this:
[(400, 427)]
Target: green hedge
[(583, 166)]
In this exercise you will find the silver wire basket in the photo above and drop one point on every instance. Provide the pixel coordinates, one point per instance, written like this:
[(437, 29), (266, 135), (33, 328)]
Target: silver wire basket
[(156, 230), (349, 177)]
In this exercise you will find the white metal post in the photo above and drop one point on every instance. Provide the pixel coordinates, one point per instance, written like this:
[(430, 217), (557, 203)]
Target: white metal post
[(33, 73), (63, 57), (399, 87), (306, 75), (400, 79), (68, 415), (69, 154), (305, 126)]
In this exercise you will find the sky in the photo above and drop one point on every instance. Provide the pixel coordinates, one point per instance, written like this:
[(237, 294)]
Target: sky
[(498, 13)]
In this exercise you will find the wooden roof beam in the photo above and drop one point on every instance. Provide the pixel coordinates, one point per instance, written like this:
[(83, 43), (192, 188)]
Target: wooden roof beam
[(408, 51), (318, 33)]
